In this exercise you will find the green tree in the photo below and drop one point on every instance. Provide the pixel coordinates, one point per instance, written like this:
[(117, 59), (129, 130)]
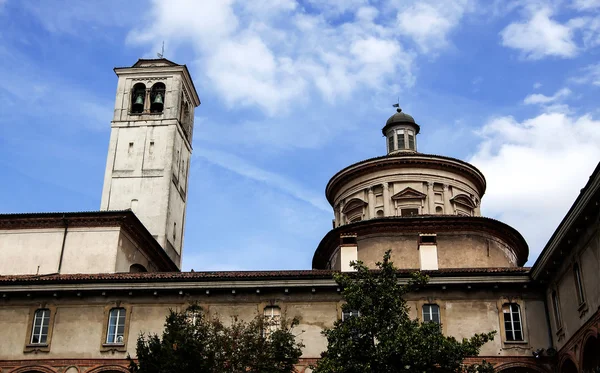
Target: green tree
[(383, 338), (194, 342)]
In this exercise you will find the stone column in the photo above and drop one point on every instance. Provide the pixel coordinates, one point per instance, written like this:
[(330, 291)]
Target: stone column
[(371, 201), (336, 212), (430, 198), (447, 205), (386, 199)]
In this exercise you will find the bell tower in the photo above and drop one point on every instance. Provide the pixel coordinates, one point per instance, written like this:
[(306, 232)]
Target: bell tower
[(150, 148)]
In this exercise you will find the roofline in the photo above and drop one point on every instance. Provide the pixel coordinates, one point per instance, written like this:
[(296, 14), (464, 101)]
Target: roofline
[(416, 223), (591, 188), (115, 218), (465, 167), (243, 280)]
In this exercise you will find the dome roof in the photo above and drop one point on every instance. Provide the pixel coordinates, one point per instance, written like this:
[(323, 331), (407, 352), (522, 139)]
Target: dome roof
[(400, 118)]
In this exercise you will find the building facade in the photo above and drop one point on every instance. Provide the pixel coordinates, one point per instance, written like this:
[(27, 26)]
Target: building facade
[(76, 289)]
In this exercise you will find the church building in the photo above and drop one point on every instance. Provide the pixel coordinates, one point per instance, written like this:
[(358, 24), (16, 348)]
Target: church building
[(77, 288)]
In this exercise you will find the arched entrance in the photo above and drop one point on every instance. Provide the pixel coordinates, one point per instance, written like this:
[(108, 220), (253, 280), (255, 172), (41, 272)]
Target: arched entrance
[(568, 366), (591, 355)]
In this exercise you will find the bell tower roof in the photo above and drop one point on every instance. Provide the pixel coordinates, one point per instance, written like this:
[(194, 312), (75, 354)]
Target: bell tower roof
[(400, 117)]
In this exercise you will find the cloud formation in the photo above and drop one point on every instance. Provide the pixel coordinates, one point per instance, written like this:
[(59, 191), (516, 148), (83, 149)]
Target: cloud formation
[(535, 169), (269, 54), (540, 99)]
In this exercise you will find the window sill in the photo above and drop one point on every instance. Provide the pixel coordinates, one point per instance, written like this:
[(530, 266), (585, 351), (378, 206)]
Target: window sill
[(582, 309), (114, 347), (37, 347), (516, 342), (145, 113)]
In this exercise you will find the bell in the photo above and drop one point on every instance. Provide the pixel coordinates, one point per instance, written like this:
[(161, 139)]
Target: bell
[(157, 103), (158, 99), (138, 104)]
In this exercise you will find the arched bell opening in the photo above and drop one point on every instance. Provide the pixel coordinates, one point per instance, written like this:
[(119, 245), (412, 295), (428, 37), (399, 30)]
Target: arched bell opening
[(157, 98), (138, 97), (568, 366), (518, 370), (591, 355)]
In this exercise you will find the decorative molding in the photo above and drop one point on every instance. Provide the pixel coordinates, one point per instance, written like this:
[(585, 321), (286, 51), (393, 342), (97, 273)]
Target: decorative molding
[(408, 193)]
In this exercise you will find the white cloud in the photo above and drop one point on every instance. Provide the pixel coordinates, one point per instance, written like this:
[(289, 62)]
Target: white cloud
[(274, 180), (586, 4), (540, 99), (535, 169), (273, 53), (429, 23), (540, 36), (537, 85), (588, 75)]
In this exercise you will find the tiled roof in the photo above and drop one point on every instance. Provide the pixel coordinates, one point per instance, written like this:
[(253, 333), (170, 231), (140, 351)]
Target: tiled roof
[(234, 275)]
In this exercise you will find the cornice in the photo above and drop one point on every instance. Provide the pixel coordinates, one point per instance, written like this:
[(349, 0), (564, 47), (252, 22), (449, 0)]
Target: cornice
[(421, 223), (412, 160)]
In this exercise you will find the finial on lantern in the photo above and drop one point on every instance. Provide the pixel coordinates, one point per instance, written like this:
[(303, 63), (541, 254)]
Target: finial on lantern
[(397, 105)]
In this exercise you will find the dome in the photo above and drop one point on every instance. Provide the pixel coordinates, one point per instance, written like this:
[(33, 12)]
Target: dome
[(400, 118)]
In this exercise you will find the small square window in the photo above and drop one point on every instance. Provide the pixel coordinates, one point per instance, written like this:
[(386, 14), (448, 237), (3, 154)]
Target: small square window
[(431, 313), (428, 239), (409, 212)]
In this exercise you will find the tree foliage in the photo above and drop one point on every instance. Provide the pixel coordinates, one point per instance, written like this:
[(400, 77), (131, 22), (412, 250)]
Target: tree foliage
[(195, 342), (383, 338)]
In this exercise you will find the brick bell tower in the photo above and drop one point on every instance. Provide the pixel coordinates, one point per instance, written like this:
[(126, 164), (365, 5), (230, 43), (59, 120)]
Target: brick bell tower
[(150, 148)]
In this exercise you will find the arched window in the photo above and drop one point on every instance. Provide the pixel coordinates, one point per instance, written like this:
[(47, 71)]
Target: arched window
[(272, 315), (116, 326), (431, 313), (138, 98), (157, 98), (41, 322), (513, 325), (137, 268), (439, 210)]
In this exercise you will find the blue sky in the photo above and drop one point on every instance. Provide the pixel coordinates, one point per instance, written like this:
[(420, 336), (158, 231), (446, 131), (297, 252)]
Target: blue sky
[(293, 91)]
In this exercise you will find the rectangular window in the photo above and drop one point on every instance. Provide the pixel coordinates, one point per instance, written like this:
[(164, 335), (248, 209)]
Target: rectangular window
[(578, 283), (401, 142), (41, 322), (116, 326), (411, 140), (512, 322), (391, 144), (427, 239), (431, 313), (556, 307), (409, 212), (272, 315), (349, 314)]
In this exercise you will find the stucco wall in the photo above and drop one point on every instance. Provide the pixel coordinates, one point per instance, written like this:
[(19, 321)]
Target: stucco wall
[(585, 251), (79, 323), (473, 249), (86, 250)]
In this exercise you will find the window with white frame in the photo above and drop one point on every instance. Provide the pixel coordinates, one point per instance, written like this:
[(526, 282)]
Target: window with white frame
[(578, 283), (431, 313), (41, 323), (513, 325), (272, 316), (116, 326)]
